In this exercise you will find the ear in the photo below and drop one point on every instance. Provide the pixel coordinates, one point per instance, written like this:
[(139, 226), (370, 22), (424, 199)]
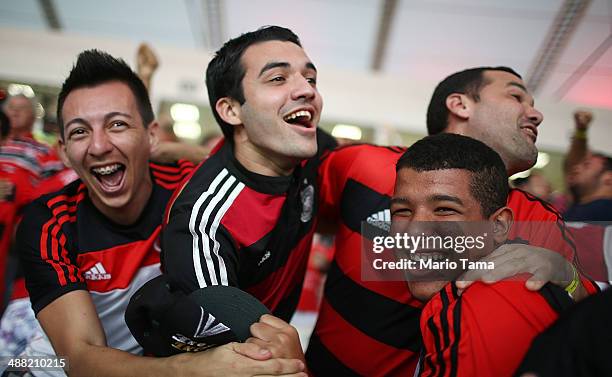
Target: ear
[(61, 143), (152, 131), (502, 221), (229, 110), (459, 105)]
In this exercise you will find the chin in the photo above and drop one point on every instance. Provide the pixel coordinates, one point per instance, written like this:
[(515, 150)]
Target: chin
[(425, 290)]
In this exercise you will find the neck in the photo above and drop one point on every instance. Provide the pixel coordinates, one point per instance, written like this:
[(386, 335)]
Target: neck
[(601, 193), (262, 162), (130, 213)]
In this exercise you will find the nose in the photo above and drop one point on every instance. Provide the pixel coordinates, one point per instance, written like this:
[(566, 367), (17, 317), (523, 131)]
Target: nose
[(303, 89), (534, 115), (100, 144)]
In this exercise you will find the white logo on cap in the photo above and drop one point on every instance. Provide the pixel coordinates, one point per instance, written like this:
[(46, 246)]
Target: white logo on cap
[(208, 329)]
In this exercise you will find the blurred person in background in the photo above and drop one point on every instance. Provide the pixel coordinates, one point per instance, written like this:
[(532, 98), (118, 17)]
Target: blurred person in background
[(169, 148), (536, 184), (588, 176)]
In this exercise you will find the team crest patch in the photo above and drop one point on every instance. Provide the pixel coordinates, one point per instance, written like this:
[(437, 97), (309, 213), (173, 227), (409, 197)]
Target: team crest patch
[(307, 196)]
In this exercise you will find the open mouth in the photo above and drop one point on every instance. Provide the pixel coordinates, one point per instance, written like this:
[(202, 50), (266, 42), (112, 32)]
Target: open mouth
[(109, 176), (435, 256), (531, 132), (299, 118)]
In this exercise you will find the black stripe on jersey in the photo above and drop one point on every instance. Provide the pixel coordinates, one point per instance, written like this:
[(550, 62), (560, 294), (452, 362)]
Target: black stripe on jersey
[(444, 318), (321, 362), (206, 240), (454, 349), (386, 320), (556, 297), (438, 349), (369, 201)]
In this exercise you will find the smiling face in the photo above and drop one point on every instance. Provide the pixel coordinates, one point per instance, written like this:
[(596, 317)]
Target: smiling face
[(107, 145), (428, 203), (504, 118), (276, 125)]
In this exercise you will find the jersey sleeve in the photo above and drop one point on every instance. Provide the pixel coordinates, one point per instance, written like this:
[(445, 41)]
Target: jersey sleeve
[(541, 225), (198, 253), (48, 258), (333, 174), (486, 331)]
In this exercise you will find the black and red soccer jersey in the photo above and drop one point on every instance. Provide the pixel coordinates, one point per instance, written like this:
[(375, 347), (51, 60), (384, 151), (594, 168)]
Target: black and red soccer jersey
[(487, 330), (66, 244), (380, 319), (230, 226)]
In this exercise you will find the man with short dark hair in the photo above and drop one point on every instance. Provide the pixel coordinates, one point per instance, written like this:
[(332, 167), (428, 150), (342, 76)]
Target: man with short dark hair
[(88, 247), (442, 190), (489, 104), (246, 217)]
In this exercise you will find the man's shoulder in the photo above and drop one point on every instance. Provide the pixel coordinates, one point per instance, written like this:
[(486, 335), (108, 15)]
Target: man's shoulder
[(527, 207)]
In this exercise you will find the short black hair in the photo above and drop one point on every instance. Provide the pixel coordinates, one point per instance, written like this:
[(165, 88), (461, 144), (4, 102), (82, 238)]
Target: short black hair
[(225, 71), (489, 181), (95, 67), (468, 82), (5, 126)]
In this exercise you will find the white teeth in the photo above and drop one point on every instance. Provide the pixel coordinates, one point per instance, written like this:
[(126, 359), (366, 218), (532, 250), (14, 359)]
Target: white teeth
[(297, 114), (426, 256), (106, 170)]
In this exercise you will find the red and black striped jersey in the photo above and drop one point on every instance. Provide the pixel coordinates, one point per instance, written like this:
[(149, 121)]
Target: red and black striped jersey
[(487, 330), (380, 319), (230, 226), (65, 243)]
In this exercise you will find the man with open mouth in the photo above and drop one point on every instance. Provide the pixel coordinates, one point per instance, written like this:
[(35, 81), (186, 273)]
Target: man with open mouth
[(88, 247), (246, 216)]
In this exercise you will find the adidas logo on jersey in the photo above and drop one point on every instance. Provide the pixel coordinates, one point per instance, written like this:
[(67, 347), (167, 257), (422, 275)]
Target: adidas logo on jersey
[(97, 272), (380, 219)]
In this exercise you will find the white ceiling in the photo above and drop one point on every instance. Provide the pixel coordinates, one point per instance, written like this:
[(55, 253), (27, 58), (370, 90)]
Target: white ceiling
[(427, 39)]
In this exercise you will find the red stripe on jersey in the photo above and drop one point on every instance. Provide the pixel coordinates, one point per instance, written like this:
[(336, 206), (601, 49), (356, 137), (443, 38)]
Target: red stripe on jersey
[(118, 271), (386, 361), (281, 283), (44, 252), (173, 170), (250, 201)]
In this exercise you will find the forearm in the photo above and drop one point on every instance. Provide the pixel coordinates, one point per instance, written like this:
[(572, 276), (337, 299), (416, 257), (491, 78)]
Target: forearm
[(577, 151), (90, 360)]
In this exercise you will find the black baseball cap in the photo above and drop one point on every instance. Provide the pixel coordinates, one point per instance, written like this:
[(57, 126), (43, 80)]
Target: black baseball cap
[(165, 321)]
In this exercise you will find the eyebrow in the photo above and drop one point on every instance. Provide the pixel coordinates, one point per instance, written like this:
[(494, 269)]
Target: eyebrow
[(273, 65), (107, 117), (399, 199), (447, 198), (523, 88)]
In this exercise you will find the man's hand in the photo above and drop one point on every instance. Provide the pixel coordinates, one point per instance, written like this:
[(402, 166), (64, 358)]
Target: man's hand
[(278, 336), (237, 360), (513, 259), (582, 119)]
